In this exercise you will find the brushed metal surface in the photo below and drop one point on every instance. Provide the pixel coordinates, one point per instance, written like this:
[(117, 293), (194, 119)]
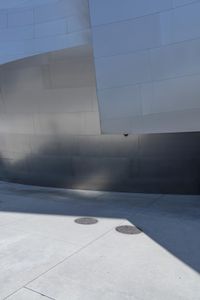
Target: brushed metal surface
[(50, 134), (147, 65)]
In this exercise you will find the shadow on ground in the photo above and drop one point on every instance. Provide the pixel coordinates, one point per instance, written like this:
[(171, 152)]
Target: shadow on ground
[(172, 221)]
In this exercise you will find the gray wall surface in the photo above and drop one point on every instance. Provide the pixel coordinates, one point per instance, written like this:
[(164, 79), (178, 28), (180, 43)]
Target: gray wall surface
[(30, 27), (50, 133), (146, 54), (147, 58)]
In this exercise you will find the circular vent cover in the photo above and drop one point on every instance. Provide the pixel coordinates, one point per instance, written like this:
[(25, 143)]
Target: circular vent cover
[(128, 229), (86, 221)]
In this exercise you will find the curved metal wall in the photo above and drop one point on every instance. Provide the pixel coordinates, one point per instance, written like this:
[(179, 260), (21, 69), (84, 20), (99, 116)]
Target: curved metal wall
[(32, 27), (147, 58), (50, 133), (49, 120), (146, 55)]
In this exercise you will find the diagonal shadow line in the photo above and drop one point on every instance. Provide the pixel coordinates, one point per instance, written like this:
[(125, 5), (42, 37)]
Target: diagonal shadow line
[(177, 231)]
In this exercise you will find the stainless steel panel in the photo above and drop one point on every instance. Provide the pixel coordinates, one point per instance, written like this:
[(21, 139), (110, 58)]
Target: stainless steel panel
[(65, 148)]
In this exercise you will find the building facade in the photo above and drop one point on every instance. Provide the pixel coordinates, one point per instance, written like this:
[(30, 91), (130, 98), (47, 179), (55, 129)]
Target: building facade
[(101, 94)]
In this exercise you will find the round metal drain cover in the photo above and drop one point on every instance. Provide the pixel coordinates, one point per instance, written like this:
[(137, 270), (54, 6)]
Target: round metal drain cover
[(128, 229), (86, 221)]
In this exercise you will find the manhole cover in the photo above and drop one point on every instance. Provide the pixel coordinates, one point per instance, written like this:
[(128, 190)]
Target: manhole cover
[(128, 229), (86, 221)]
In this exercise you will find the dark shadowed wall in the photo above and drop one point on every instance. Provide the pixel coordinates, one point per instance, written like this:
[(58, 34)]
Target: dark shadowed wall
[(50, 134)]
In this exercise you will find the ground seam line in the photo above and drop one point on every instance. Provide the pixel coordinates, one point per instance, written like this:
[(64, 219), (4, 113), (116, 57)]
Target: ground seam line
[(74, 253), (59, 263), (38, 293)]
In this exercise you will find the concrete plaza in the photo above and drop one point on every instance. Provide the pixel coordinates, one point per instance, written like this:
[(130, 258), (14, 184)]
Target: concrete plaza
[(44, 254)]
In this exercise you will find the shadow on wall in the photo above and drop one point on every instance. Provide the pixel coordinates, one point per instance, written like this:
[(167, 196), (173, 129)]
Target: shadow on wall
[(84, 162), (158, 163), (50, 100)]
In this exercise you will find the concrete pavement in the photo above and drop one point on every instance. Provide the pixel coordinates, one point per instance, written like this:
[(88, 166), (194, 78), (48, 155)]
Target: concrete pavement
[(44, 254)]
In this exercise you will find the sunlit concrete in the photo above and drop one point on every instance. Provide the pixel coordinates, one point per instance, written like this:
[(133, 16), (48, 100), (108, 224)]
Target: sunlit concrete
[(45, 255)]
